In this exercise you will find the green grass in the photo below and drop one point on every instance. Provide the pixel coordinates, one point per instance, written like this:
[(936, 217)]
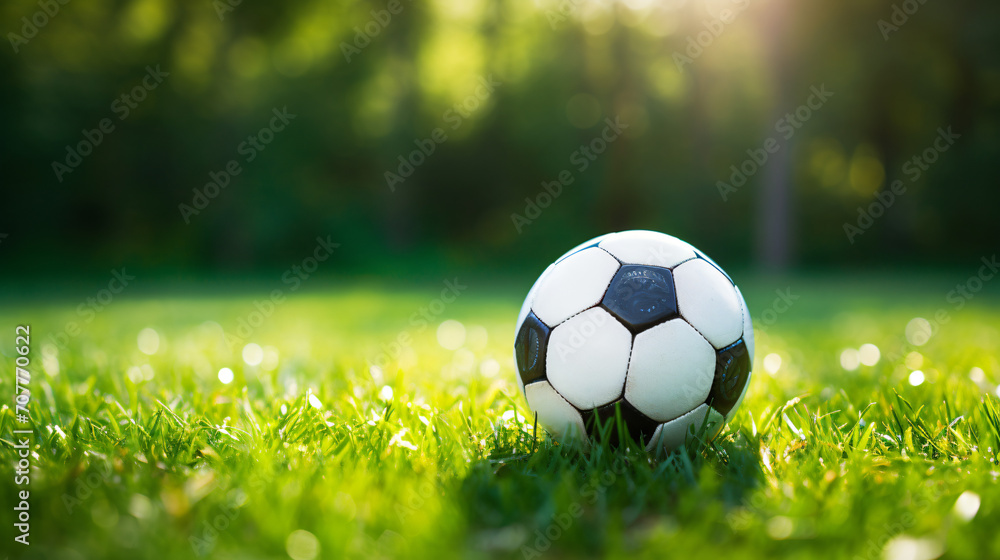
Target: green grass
[(150, 456)]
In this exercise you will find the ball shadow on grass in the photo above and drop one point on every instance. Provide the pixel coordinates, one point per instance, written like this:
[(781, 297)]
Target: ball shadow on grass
[(612, 488)]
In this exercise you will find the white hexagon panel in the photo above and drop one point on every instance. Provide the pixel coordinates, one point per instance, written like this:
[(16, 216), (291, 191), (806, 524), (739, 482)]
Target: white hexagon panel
[(708, 301), (572, 285), (673, 434), (671, 370), (587, 358), (648, 247), (554, 412)]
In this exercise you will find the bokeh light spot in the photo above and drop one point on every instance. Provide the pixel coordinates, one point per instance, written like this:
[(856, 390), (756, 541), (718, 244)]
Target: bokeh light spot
[(869, 354), (772, 362), (489, 367), (780, 527), (451, 334), (918, 331), (386, 393), (315, 402), (302, 545), (149, 341), (967, 505), (270, 360), (850, 359), (914, 360), (866, 172), (253, 354)]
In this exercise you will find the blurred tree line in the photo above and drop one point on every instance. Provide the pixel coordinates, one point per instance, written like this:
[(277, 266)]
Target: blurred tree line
[(422, 131)]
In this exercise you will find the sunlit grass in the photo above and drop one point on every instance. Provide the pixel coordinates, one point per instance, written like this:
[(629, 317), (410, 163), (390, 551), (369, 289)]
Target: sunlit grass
[(142, 450)]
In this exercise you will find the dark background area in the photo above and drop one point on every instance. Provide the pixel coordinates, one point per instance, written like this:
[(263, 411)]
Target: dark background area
[(561, 74)]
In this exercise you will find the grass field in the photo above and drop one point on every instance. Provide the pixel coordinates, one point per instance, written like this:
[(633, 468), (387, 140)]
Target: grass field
[(313, 453)]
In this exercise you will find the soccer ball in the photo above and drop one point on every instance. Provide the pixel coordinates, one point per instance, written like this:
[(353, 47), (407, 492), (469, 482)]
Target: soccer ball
[(637, 325)]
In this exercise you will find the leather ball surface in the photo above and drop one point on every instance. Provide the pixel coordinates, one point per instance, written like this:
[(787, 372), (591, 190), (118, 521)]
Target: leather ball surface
[(637, 325)]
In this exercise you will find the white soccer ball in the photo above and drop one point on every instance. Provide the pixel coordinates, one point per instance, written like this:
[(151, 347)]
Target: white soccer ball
[(641, 322)]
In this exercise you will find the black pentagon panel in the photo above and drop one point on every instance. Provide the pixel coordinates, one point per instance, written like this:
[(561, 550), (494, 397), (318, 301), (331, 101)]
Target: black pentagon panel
[(529, 348), (641, 296), (732, 371), (638, 426)]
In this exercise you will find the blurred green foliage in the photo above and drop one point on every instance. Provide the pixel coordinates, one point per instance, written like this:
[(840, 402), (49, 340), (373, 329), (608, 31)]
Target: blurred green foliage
[(365, 84)]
